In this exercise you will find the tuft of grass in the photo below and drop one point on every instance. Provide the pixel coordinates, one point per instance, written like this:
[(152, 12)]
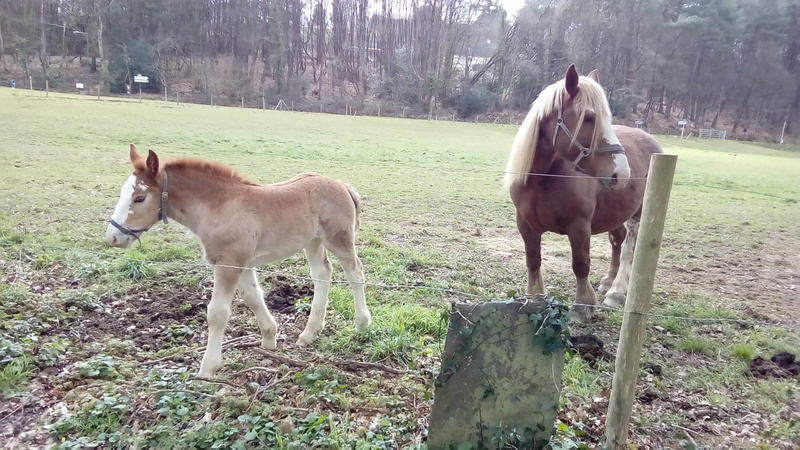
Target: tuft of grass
[(133, 268), (14, 376), (743, 351), (579, 378), (697, 345)]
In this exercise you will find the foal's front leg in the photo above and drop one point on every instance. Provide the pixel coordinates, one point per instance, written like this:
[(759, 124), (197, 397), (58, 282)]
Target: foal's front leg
[(219, 310), (253, 296)]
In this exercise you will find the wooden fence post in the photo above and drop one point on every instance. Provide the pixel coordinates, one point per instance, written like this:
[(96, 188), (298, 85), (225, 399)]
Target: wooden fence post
[(637, 305)]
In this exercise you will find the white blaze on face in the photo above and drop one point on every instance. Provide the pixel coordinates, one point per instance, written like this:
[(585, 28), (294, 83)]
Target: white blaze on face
[(621, 167), (122, 211)]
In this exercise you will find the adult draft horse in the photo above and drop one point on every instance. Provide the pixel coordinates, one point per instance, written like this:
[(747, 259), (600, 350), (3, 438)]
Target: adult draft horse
[(241, 225), (570, 171)]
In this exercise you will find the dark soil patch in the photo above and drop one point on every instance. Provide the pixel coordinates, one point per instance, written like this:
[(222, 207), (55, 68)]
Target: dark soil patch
[(781, 365), (284, 295), (147, 316), (590, 347), (653, 369), (648, 396)]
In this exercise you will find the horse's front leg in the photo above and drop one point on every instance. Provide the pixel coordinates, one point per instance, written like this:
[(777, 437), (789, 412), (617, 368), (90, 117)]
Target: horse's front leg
[(619, 288), (585, 298), (219, 310), (533, 257)]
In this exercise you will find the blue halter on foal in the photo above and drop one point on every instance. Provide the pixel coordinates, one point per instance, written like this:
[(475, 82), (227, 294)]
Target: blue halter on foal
[(162, 213)]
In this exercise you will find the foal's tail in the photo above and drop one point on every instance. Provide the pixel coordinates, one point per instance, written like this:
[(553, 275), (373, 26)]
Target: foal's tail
[(356, 201)]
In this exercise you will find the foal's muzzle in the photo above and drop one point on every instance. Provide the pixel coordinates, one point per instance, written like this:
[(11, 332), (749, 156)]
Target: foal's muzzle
[(126, 231)]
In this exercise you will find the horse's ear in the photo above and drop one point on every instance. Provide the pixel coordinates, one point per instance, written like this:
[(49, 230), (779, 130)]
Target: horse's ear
[(595, 75), (571, 81), (152, 162), (135, 156)]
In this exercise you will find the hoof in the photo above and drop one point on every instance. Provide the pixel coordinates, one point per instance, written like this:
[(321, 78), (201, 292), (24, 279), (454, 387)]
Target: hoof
[(362, 323), (269, 343), (205, 372), (306, 339), (603, 288), (614, 300), (581, 313)]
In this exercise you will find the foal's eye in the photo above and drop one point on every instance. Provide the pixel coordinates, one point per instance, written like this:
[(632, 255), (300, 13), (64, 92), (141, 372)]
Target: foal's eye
[(139, 199)]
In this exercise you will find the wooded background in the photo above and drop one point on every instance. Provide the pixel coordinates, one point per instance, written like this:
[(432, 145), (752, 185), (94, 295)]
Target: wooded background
[(732, 64)]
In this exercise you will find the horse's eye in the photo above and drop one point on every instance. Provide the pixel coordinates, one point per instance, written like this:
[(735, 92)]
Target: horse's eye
[(139, 199), (589, 119)]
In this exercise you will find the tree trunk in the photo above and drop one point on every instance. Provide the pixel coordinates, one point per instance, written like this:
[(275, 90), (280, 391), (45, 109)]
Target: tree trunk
[(2, 42)]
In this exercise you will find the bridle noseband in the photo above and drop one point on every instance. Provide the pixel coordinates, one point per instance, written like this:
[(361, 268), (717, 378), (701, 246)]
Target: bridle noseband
[(162, 213), (612, 149)]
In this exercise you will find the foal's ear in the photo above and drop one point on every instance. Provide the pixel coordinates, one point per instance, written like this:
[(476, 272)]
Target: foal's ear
[(595, 75), (135, 156), (152, 162), (571, 81)]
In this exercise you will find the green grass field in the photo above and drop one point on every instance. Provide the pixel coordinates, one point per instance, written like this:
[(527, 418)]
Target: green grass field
[(86, 331)]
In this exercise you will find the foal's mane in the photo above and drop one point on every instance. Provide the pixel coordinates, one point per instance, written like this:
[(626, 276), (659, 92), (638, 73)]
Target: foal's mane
[(208, 168), (591, 96)]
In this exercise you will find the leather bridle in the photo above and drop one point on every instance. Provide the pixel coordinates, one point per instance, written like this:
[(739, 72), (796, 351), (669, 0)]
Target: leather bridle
[(162, 213), (612, 149)]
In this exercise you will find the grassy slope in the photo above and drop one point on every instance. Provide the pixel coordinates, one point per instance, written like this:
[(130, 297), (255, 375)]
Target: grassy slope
[(434, 215)]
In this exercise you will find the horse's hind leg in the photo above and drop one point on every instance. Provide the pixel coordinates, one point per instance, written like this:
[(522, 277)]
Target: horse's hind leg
[(219, 310), (619, 288), (533, 257), (321, 271), (615, 236), (253, 296), (346, 254)]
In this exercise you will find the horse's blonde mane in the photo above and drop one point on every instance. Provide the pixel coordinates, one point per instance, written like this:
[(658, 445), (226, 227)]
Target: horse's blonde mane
[(208, 168), (591, 97)]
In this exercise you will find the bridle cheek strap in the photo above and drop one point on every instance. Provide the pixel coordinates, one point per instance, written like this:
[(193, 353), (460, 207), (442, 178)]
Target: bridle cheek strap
[(583, 151), (162, 210)]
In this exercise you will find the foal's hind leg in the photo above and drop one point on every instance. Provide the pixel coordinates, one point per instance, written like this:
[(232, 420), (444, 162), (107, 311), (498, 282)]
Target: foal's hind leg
[(354, 271), (615, 236), (253, 296), (533, 257), (619, 288), (321, 273), (219, 310), (343, 246)]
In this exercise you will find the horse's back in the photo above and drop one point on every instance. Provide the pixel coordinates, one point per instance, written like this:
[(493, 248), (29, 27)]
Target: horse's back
[(637, 140)]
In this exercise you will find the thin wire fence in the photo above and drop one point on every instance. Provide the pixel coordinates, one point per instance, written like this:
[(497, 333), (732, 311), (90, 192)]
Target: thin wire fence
[(402, 287)]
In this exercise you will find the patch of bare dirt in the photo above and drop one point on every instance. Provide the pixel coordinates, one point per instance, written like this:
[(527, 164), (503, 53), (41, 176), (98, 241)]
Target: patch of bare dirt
[(781, 365), (765, 277), (284, 294), (590, 347)]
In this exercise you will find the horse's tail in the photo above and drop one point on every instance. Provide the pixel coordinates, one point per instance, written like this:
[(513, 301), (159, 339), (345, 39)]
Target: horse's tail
[(522, 151), (356, 197)]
